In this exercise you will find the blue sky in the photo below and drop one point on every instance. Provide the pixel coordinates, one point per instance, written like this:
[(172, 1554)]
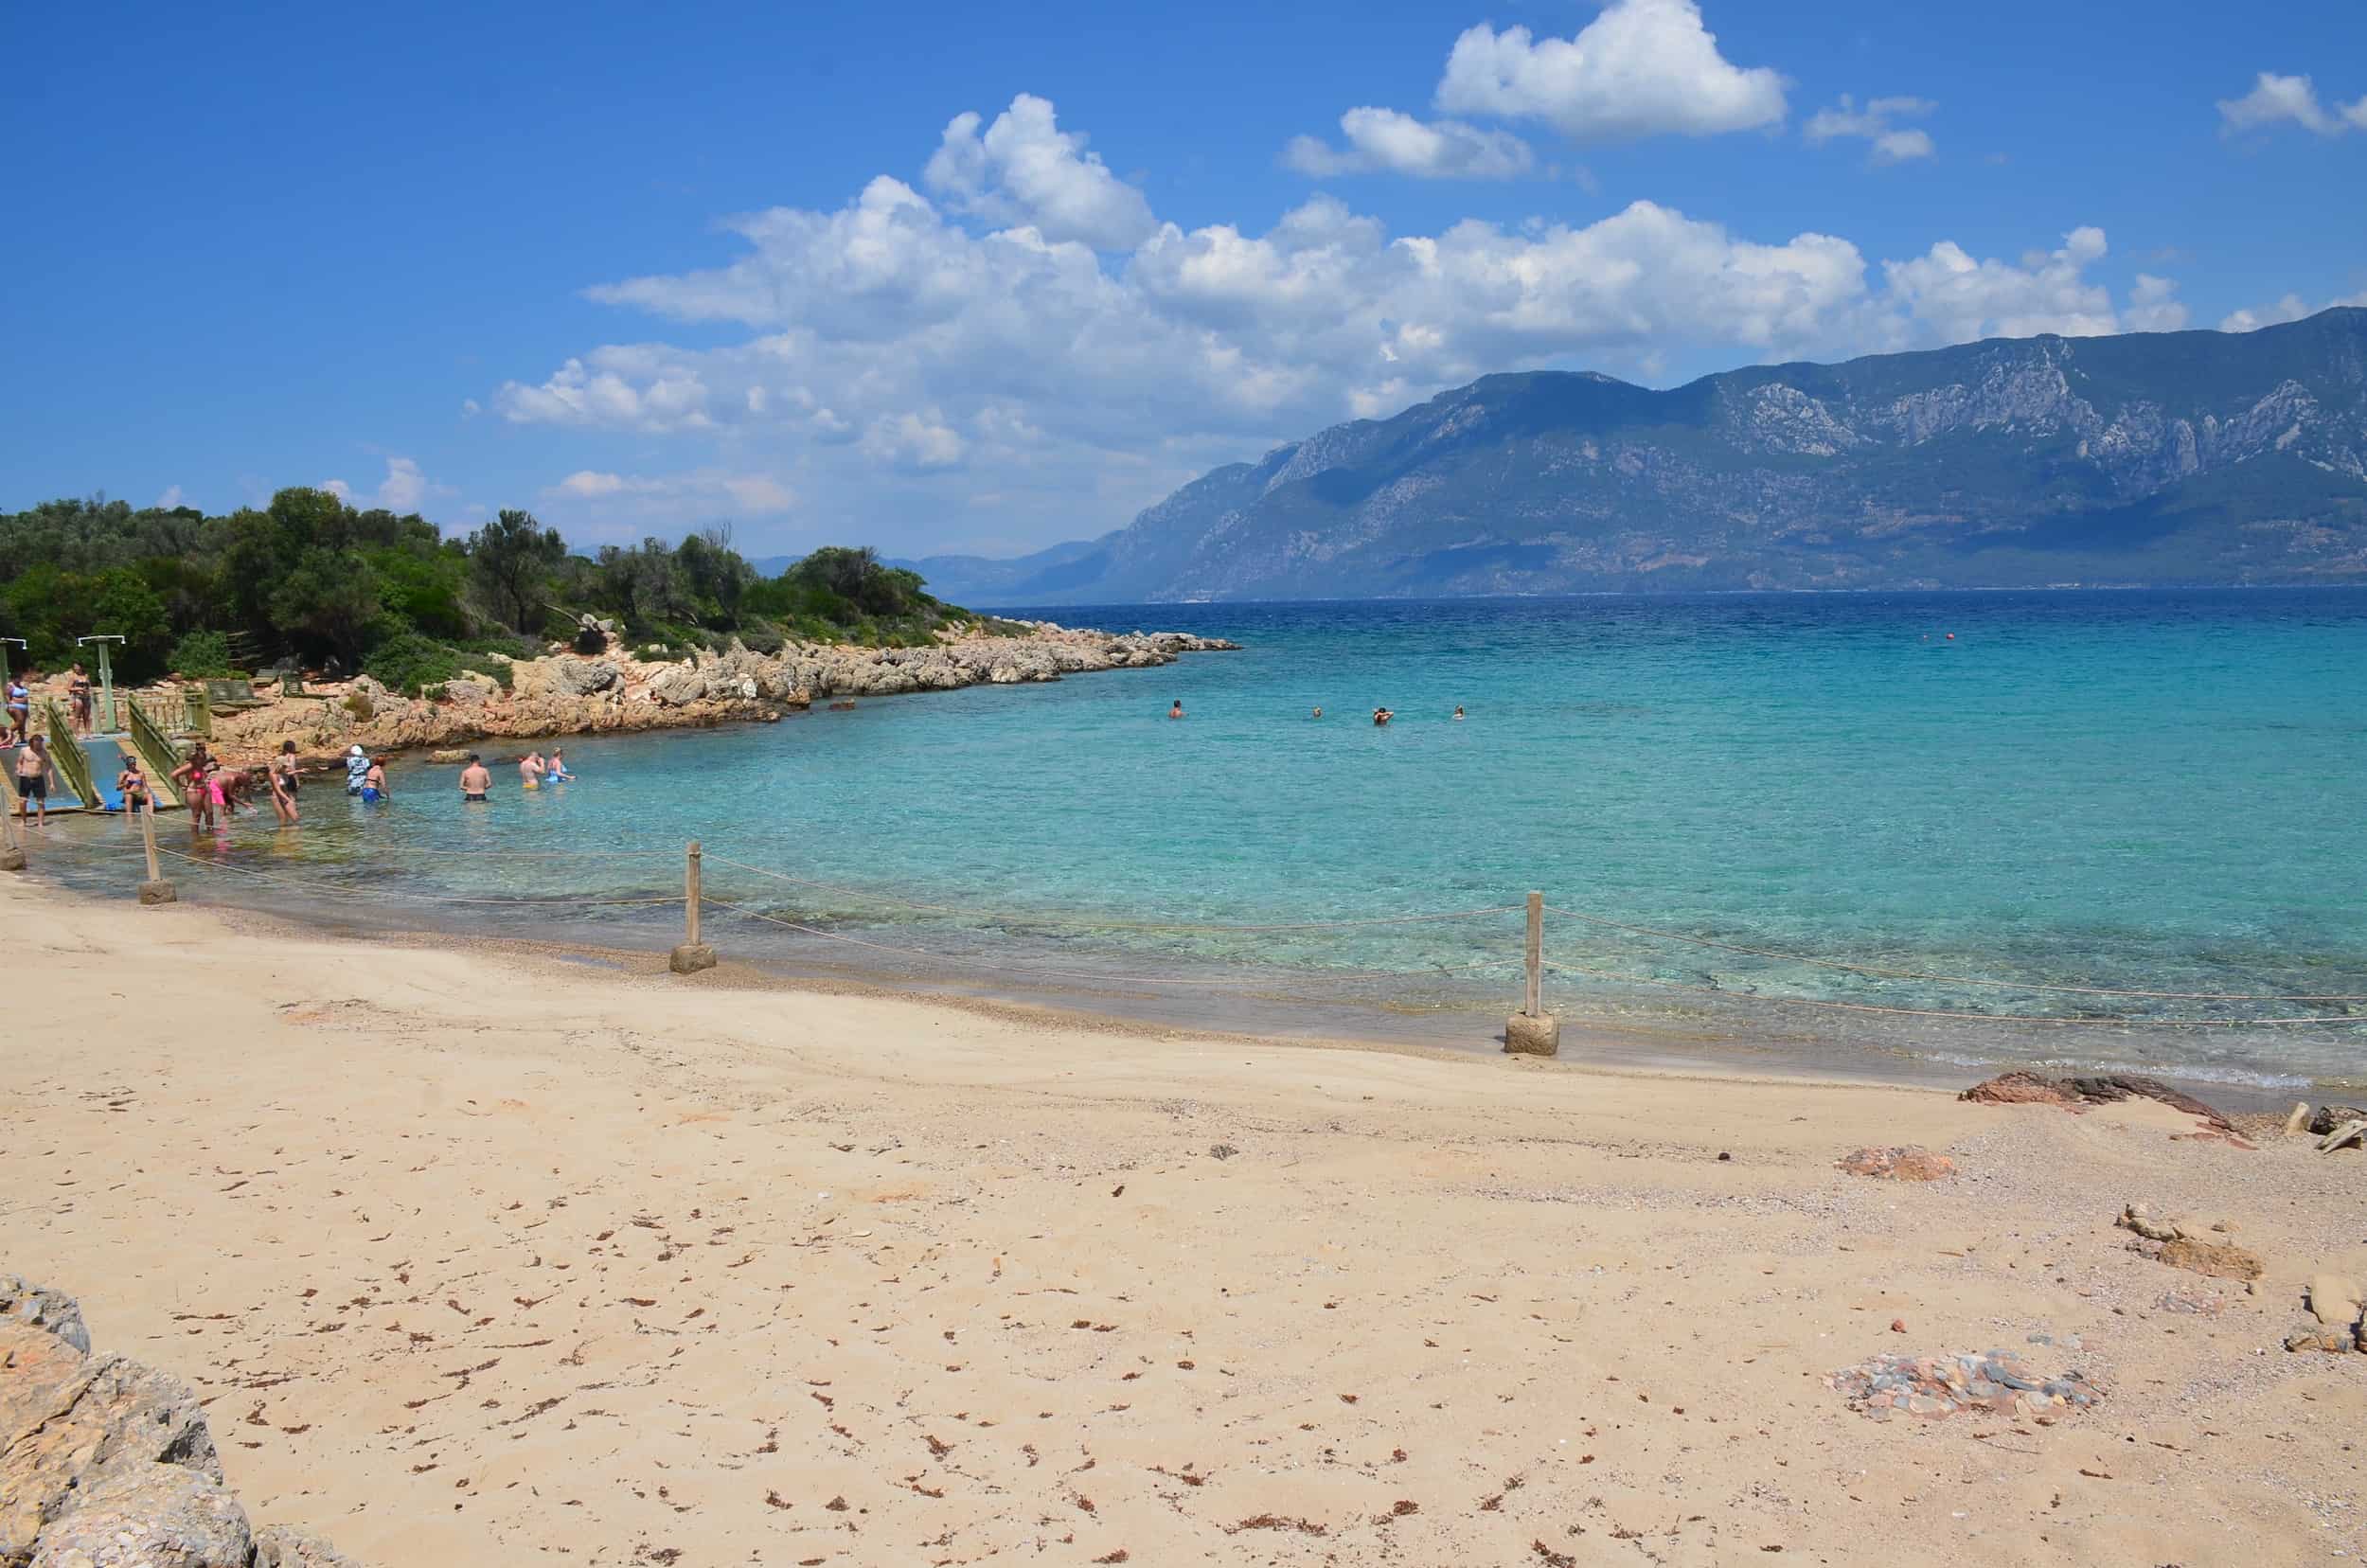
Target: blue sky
[(640, 271)]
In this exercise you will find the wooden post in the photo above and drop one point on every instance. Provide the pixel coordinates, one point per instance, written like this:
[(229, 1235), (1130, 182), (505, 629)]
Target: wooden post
[(11, 842), (1537, 954), (155, 890), (1532, 1031), (693, 956)]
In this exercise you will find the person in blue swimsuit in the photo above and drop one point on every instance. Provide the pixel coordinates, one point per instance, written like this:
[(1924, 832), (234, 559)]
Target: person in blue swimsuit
[(556, 770)]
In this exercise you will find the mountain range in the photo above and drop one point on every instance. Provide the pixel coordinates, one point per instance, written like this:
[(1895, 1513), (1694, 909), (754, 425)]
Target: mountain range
[(2146, 458)]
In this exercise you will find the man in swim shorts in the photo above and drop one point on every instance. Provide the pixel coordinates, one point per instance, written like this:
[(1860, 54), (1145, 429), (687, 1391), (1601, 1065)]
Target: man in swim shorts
[(474, 780), (530, 771)]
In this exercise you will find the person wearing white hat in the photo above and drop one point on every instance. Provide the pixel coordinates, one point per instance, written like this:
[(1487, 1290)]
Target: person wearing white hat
[(357, 770)]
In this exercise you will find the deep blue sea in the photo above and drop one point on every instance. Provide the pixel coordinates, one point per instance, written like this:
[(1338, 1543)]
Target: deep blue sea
[(1999, 796)]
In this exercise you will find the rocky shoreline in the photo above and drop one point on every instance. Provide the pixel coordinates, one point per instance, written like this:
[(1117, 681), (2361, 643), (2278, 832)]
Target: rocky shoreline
[(106, 1461), (572, 693)]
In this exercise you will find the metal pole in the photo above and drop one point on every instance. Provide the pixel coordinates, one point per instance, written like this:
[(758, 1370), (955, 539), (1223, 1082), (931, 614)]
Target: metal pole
[(106, 680), (1537, 954)]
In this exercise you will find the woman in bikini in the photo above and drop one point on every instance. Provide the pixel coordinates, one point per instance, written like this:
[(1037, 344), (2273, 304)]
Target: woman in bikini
[(132, 784), (282, 781)]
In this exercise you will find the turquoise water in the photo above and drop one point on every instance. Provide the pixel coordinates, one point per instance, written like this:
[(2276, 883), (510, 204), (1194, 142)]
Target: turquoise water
[(2153, 791)]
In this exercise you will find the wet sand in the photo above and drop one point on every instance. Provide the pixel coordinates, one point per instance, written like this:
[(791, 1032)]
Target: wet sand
[(482, 1254)]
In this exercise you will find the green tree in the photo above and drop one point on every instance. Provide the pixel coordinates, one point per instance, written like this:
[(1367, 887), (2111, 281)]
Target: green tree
[(513, 556), (329, 599)]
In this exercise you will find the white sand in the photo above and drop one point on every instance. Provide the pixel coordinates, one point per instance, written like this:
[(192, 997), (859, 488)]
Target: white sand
[(485, 1259)]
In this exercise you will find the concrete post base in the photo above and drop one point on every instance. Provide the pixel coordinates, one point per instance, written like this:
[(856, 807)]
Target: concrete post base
[(11, 859), (1540, 1035), (690, 959), (158, 892)]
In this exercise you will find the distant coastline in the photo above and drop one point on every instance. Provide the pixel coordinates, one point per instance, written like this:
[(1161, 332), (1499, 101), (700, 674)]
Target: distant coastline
[(566, 694)]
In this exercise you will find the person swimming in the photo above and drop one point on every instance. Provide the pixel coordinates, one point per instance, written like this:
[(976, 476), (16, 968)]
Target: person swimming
[(474, 780), (1177, 711), (1318, 713), (1458, 710), (1382, 715)]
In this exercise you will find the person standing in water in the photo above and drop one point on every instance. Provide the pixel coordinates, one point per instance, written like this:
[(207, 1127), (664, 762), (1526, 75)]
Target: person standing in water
[(558, 773), (283, 768), (282, 783), (374, 783), (34, 770), (1177, 711), (1381, 716), (77, 698), (1458, 711), (190, 777), (474, 780), (357, 769), (530, 771)]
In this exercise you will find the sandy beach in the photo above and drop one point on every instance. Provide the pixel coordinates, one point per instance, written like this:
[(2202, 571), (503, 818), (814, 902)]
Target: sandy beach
[(481, 1258)]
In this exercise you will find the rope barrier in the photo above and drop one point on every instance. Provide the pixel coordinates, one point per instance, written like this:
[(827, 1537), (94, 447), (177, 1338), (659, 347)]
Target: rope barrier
[(1097, 924), (1023, 966), (304, 886), (1943, 979), (1932, 1012), (954, 961)]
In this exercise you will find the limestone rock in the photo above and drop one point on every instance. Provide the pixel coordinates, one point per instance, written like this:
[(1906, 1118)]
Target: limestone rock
[(2317, 1336), (60, 1436), (149, 1515), (284, 1546), (582, 677), (2331, 1116), (2078, 1093), (2334, 1301), (24, 1302), (2218, 1260), (1899, 1165), (678, 686), (470, 690)]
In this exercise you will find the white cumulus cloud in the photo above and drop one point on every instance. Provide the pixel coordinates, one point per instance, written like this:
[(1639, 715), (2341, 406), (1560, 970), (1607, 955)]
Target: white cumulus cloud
[(2275, 99), (1643, 68), (405, 489), (1026, 170), (899, 360), (603, 505), (1962, 298), (2291, 308), (1388, 141), (1875, 124), (170, 499)]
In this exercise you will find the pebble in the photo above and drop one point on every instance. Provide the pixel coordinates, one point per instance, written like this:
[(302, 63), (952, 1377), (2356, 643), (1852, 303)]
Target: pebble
[(1996, 1381)]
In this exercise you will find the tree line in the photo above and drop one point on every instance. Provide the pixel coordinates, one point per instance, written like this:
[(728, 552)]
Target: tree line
[(311, 578)]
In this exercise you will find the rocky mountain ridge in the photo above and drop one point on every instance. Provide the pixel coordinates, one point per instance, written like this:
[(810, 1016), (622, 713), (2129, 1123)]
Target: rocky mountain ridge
[(2164, 459)]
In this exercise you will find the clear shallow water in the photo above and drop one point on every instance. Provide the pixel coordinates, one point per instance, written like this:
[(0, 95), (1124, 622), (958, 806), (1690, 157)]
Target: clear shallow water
[(2141, 790)]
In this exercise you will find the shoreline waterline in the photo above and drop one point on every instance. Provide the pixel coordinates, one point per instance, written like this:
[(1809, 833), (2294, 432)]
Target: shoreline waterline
[(1214, 1004)]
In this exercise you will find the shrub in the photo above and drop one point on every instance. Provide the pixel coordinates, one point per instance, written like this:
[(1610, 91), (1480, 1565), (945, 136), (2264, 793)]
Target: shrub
[(201, 657), (407, 663), (360, 707)]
